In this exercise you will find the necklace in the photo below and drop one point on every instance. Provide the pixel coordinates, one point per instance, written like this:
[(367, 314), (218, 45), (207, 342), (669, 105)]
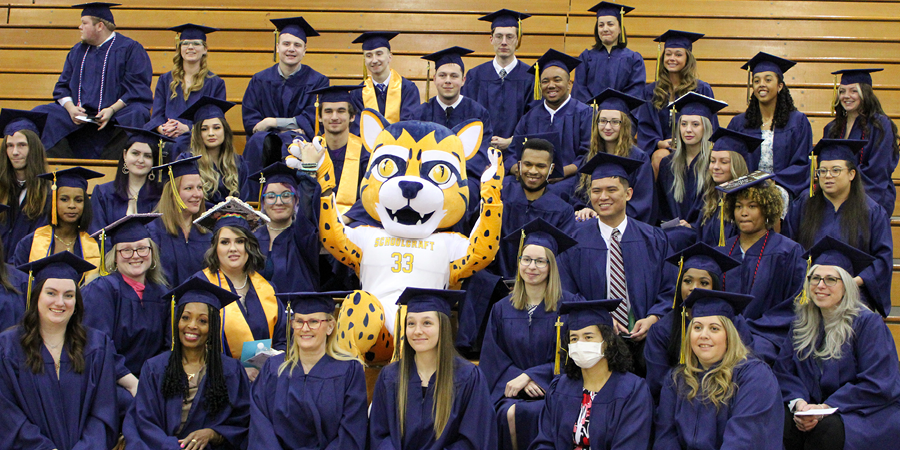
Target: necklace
[(241, 287), (54, 347), (271, 228), (67, 244)]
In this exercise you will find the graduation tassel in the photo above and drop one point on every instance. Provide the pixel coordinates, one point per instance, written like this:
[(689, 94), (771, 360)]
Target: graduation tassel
[(398, 340), (812, 174), (658, 60), (178, 202), (721, 220), (558, 325), (519, 35), (749, 84), (674, 121), (262, 185), (173, 324), (317, 115), (159, 147), (804, 297), (275, 48), (680, 268), (103, 271), (834, 96), (622, 38), (594, 124), (537, 81), (53, 219), (681, 358), (427, 79), (289, 315), (30, 281)]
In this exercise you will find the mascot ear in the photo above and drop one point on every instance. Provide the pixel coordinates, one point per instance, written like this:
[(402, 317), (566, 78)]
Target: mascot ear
[(470, 132), (371, 123)]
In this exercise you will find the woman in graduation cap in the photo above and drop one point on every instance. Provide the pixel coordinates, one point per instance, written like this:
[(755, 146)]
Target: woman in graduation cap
[(192, 397), (840, 355), (612, 132), (233, 261), (221, 169), (840, 208), (596, 396), (57, 377), (135, 189), (721, 396), (431, 398), (181, 202), (290, 242), (519, 347), (69, 218), (772, 268), (314, 396), (859, 115), (676, 75), (772, 116), (21, 188), (189, 80), (609, 64), (682, 175)]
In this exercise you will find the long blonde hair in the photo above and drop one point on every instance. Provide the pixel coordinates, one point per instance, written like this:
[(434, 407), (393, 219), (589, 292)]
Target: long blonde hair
[(624, 144), (171, 214), (680, 164), (664, 92), (178, 73), (717, 386), (225, 162), (838, 330), (332, 349), (710, 194), (552, 287)]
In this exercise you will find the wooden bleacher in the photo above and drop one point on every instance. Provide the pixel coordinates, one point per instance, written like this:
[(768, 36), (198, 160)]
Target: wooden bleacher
[(821, 36)]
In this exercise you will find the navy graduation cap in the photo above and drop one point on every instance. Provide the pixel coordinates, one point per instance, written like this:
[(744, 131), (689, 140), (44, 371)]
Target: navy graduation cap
[(97, 9), (371, 40), (540, 232), (295, 26), (853, 76), (75, 177), (605, 165), (331, 94), (679, 39), (694, 104), (765, 62), (552, 137), (182, 167), (611, 99), (586, 313), (611, 9), (419, 300), (15, 120), (276, 173), (190, 31), (452, 55), (708, 303), (744, 182), (554, 58), (142, 135), (729, 140), (311, 302), (829, 251), (703, 257), (64, 266), (838, 150), (505, 18), (206, 107), (131, 228), (197, 289)]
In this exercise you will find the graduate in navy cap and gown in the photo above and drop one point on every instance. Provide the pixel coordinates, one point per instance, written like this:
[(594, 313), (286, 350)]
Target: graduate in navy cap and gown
[(612, 131), (223, 171), (133, 191), (859, 115), (13, 286), (69, 217), (503, 85), (278, 106), (192, 397), (449, 108), (180, 203), (620, 257), (383, 89), (596, 403), (57, 377), (189, 80), (313, 396), (840, 208), (21, 189), (573, 124), (446, 403), (520, 343), (772, 266), (721, 396), (681, 180), (609, 63), (840, 355), (106, 76), (772, 116), (290, 242)]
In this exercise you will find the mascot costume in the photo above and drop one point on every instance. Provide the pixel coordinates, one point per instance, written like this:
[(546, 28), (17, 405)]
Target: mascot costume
[(415, 185)]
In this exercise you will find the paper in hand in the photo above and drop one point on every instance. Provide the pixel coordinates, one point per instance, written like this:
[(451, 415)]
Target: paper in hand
[(817, 412)]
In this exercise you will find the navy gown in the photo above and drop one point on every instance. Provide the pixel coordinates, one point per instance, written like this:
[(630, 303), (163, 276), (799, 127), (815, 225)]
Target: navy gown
[(138, 327), (506, 100), (877, 159), (621, 414), (513, 345), (153, 421), (293, 263), (324, 409), (655, 125), (622, 70), (181, 257), (165, 107), (431, 111), (752, 419), (23, 249), (643, 204), (864, 384), (470, 426), (17, 225), (127, 77), (108, 206), (691, 204), (12, 305), (876, 290), (791, 147), (76, 411)]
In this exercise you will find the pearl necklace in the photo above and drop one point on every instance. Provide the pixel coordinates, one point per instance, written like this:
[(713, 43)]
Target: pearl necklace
[(271, 228)]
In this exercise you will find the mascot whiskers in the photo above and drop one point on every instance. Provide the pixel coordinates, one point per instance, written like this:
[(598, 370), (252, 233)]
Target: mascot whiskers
[(415, 185)]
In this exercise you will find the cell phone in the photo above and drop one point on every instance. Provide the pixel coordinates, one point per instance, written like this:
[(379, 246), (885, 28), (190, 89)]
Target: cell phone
[(625, 335)]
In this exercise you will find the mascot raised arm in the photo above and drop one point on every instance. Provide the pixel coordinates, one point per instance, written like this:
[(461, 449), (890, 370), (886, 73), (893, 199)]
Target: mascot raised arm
[(415, 185)]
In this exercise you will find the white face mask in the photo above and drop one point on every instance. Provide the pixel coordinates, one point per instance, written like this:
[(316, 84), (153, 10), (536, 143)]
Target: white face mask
[(586, 354)]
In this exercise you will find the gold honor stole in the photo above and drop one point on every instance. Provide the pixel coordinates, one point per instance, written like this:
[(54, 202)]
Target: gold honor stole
[(43, 240), (391, 103), (347, 191), (233, 323)]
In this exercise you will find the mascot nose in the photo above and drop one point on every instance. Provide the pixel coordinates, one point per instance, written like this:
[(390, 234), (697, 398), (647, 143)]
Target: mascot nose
[(410, 189)]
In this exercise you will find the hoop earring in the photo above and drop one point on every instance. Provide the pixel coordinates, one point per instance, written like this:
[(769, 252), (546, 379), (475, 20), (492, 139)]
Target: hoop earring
[(152, 176), (124, 169)]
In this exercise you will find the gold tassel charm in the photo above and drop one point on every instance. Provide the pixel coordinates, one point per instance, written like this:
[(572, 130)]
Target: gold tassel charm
[(814, 161), (678, 282), (317, 117), (804, 297), (53, 219), (537, 81), (721, 220), (262, 185), (558, 325), (834, 96), (178, 202), (103, 271)]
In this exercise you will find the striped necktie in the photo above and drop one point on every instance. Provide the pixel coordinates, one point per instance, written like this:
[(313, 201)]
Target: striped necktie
[(617, 286)]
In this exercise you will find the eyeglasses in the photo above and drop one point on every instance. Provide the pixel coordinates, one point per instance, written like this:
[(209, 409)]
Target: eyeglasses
[(313, 324), (271, 198), (829, 280), (191, 43), (604, 121), (834, 171), (129, 252), (540, 263)]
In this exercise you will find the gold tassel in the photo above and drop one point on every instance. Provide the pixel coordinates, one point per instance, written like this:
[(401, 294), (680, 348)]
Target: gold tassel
[(53, 219), (834, 96), (103, 271), (594, 125), (30, 281), (622, 26), (812, 174), (262, 184), (398, 340), (289, 316), (519, 35), (659, 56), (537, 81), (681, 358), (222, 332), (674, 122), (558, 325), (749, 84), (317, 116), (721, 220), (173, 324), (178, 202), (275, 49), (160, 147), (678, 282), (804, 297), (427, 80)]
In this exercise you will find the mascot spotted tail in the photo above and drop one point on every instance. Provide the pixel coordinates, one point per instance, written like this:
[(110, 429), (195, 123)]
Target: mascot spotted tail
[(415, 185)]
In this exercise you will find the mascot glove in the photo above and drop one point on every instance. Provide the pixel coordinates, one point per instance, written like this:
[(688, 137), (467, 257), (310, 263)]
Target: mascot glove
[(492, 179)]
